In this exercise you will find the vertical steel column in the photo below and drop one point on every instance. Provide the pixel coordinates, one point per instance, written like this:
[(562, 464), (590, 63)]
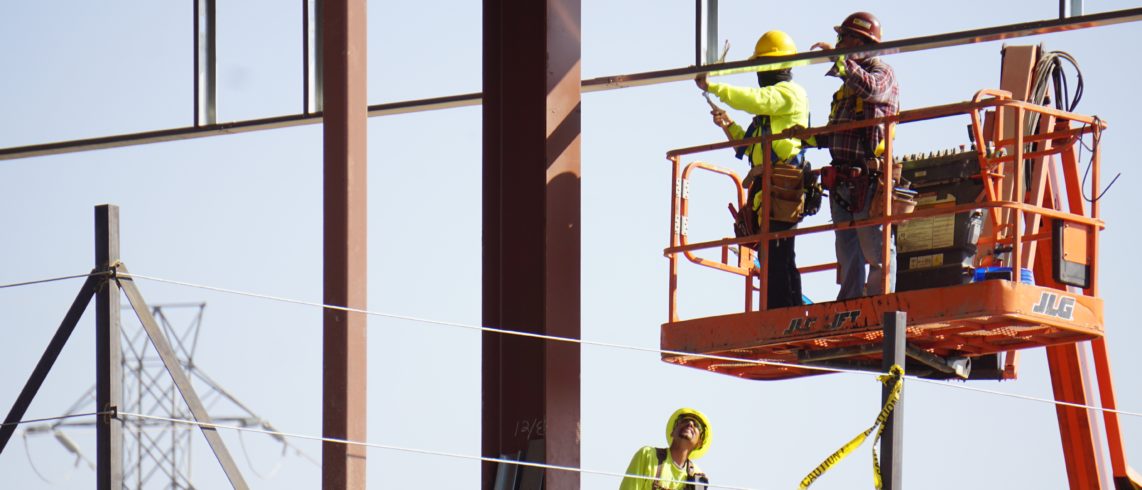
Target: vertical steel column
[(205, 63), (108, 353), (311, 86), (892, 441), (705, 32), (1070, 8), (342, 39), (531, 225)]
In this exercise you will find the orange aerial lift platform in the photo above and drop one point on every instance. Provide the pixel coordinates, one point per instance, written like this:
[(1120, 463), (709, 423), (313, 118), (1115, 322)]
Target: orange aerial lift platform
[(950, 323), (998, 253)]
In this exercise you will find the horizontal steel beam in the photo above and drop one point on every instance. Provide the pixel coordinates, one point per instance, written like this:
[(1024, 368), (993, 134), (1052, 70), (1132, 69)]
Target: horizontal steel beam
[(599, 84)]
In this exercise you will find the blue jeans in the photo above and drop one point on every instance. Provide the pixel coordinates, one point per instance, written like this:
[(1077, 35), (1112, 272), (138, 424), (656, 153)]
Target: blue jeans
[(858, 247)]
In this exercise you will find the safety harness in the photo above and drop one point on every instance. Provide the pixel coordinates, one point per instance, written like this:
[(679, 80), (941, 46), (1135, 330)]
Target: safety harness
[(695, 478), (746, 219), (855, 177)]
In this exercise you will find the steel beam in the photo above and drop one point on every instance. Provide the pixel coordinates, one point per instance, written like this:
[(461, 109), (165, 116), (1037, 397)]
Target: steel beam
[(612, 82), (205, 63), (531, 222), (345, 273), (178, 376), (311, 80), (705, 32), (108, 354)]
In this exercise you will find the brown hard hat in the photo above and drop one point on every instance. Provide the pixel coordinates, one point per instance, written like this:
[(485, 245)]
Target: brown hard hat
[(862, 24)]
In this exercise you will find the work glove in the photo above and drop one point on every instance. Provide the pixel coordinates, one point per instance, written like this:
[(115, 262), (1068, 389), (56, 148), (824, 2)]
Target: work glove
[(700, 81), (721, 119), (811, 142), (839, 65)]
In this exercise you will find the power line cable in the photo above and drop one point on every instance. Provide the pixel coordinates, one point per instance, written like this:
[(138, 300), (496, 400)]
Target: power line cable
[(1027, 397), (556, 339), (498, 330), (620, 346), (49, 419), (52, 279), (411, 450)]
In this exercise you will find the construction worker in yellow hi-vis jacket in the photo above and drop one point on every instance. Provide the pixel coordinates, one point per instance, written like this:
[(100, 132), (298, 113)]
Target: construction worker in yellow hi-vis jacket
[(672, 467)]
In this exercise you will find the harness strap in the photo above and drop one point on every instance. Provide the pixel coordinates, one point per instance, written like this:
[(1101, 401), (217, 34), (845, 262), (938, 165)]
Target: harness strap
[(692, 472)]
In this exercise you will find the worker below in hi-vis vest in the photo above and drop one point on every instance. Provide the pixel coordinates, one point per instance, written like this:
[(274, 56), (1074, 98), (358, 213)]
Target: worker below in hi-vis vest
[(777, 104), (672, 467), (868, 90)]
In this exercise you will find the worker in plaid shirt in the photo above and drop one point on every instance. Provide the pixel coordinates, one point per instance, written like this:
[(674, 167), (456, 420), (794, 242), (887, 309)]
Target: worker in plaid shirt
[(869, 90)]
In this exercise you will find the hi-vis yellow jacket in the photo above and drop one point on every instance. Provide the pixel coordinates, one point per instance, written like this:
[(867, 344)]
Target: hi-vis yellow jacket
[(786, 104)]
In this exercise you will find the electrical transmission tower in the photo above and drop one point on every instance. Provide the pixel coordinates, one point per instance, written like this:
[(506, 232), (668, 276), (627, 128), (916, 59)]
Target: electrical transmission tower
[(157, 454)]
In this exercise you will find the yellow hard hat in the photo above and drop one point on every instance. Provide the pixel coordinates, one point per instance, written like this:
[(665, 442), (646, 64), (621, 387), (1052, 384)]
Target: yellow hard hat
[(774, 43), (704, 444)]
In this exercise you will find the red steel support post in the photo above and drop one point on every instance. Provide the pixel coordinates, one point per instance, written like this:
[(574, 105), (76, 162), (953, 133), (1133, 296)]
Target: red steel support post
[(531, 249), (345, 229)]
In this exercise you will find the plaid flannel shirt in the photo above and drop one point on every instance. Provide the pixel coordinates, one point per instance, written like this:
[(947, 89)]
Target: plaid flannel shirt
[(869, 91)]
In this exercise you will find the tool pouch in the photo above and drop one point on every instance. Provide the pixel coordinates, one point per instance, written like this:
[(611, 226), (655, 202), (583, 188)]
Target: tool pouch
[(788, 194)]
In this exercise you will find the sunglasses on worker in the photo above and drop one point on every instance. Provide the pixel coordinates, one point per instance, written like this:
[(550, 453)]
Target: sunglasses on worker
[(683, 420)]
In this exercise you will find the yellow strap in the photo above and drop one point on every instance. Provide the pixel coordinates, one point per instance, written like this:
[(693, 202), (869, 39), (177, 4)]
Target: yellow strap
[(895, 376)]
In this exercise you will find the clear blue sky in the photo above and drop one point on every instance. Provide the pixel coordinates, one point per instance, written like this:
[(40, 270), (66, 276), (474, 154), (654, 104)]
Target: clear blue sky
[(244, 212)]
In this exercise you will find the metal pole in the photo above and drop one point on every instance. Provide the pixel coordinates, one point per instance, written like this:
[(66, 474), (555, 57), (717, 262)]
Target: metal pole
[(705, 32), (1070, 8), (108, 354), (892, 441), (205, 63), (711, 32), (181, 380), (311, 57)]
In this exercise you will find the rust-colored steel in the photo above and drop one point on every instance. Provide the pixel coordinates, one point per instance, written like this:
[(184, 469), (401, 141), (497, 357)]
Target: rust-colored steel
[(345, 230), (593, 85), (531, 221)]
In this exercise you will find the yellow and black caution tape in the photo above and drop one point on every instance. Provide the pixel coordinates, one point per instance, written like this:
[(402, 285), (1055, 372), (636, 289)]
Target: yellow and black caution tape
[(895, 376)]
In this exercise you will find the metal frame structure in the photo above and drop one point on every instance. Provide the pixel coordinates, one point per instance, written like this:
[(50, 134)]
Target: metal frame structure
[(536, 182), (612, 82)]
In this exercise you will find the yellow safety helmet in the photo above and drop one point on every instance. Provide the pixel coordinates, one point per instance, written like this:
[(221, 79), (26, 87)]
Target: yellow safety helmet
[(774, 43), (704, 444)]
